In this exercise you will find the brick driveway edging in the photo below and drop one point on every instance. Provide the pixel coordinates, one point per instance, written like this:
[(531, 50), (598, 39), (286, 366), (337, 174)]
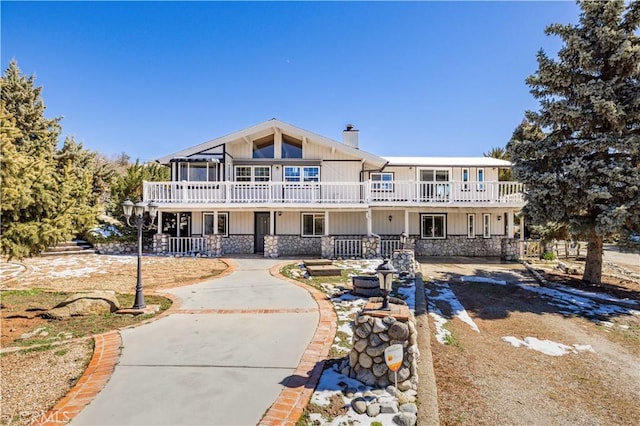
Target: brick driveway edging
[(294, 398), (106, 353)]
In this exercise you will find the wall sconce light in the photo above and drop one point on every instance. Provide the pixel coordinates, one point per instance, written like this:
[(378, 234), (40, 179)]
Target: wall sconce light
[(499, 218), (279, 213), (390, 218)]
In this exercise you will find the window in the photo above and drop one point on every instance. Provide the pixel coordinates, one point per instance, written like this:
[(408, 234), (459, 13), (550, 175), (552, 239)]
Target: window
[(433, 226), (382, 181), (223, 224), (486, 225), (465, 179), (480, 179), (301, 174), (291, 148), (253, 173), (312, 224), (263, 147), (471, 225), (198, 172)]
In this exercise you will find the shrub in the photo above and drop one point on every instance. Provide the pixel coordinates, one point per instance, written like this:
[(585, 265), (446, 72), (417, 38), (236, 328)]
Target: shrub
[(548, 255)]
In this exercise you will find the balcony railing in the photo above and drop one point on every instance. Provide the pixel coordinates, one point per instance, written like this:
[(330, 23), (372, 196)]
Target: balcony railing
[(372, 193)]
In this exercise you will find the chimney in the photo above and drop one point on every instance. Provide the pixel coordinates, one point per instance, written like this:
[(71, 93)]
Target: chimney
[(350, 136)]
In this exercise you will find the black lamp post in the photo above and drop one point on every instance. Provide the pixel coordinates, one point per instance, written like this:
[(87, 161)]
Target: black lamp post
[(403, 239), (385, 273), (137, 212)]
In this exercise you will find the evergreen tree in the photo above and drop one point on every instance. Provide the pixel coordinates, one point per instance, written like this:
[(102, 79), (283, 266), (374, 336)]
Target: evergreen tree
[(129, 185), (504, 174), (47, 195), (579, 155)]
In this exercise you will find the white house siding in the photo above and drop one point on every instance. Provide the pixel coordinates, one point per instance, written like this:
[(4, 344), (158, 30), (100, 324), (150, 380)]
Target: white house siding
[(340, 171), (241, 222), (348, 223)]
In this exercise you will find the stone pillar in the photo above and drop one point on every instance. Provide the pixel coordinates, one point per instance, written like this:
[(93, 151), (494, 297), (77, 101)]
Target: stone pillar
[(509, 248), (327, 247), (214, 245), (404, 262), (160, 243), (375, 331), (371, 247), (271, 246)]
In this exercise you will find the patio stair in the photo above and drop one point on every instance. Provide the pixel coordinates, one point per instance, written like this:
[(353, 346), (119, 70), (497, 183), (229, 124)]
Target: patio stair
[(69, 247)]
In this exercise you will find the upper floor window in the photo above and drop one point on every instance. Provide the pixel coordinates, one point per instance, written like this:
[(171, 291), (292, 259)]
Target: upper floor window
[(291, 147), (252, 173), (263, 147), (480, 179), (465, 179), (198, 172), (382, 181), (302, 174)]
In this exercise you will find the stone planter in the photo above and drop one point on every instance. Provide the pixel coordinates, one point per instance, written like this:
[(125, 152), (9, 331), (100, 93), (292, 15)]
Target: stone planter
[(365, 285)]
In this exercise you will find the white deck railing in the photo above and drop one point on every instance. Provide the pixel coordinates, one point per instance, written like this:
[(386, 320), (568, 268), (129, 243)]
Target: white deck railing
[(347, 247), (184, 245), (376, 193)]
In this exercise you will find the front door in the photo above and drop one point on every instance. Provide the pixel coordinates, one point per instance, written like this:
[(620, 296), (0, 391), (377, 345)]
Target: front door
[(262, 222)]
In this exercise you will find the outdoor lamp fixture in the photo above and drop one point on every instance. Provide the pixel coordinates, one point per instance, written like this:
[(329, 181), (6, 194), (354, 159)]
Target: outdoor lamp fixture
[(390, 218), (136, 211), (403, 239), (385, 273)]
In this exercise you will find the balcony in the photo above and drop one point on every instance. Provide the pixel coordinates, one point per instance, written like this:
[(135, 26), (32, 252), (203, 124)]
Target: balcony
[(279, 194)]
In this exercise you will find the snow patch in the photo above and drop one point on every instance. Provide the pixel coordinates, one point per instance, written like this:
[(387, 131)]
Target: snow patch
[(547, 347)]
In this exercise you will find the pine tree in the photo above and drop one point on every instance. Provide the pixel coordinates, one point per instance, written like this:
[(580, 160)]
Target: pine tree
[(47, 195), (579, 154), (504, 174), (129, 184)]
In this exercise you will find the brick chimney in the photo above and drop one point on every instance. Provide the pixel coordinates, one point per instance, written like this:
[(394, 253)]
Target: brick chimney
[(350, 136)]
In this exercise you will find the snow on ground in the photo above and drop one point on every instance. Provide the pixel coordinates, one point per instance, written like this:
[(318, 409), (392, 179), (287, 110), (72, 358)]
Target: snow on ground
[(332, 382), (547, 347), (569, 301), (443, 293)]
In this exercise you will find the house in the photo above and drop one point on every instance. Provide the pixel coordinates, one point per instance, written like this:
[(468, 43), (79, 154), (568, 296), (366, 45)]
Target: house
[(279, 190)]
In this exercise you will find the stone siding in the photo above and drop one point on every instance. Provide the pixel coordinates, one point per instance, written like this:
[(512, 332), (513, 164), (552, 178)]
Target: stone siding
[(238, 244), (510, 249), (295, 245), (457, 245), (404, 262)]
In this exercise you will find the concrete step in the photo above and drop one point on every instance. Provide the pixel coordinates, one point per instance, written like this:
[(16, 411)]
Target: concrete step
[(69, 247)]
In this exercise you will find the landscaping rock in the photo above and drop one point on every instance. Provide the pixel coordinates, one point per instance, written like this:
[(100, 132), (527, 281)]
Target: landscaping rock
[(388, 405), (405, 419), (409, 408), (373, 409), (359, 405), (81, 304)]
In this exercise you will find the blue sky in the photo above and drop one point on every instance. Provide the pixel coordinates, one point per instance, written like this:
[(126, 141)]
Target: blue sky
[(416, 78)]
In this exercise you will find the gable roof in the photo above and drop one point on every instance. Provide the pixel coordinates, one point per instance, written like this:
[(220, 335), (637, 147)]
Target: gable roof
[(448, 161), (266, 127)]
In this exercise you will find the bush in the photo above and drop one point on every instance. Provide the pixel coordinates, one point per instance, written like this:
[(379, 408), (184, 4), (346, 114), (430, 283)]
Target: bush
[(548, 255)]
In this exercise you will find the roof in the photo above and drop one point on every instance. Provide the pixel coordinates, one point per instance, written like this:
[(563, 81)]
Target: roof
[(265, 127), (447, 161)]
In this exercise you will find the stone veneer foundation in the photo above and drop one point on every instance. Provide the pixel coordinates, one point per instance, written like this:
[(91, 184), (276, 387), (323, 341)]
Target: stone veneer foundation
[(295, 245)]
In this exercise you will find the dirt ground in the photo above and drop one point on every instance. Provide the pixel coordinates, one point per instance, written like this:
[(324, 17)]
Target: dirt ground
[(95, 272), (482, 379)]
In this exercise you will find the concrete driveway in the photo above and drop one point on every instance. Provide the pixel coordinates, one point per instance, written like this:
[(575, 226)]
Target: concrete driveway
[(220, 359)]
